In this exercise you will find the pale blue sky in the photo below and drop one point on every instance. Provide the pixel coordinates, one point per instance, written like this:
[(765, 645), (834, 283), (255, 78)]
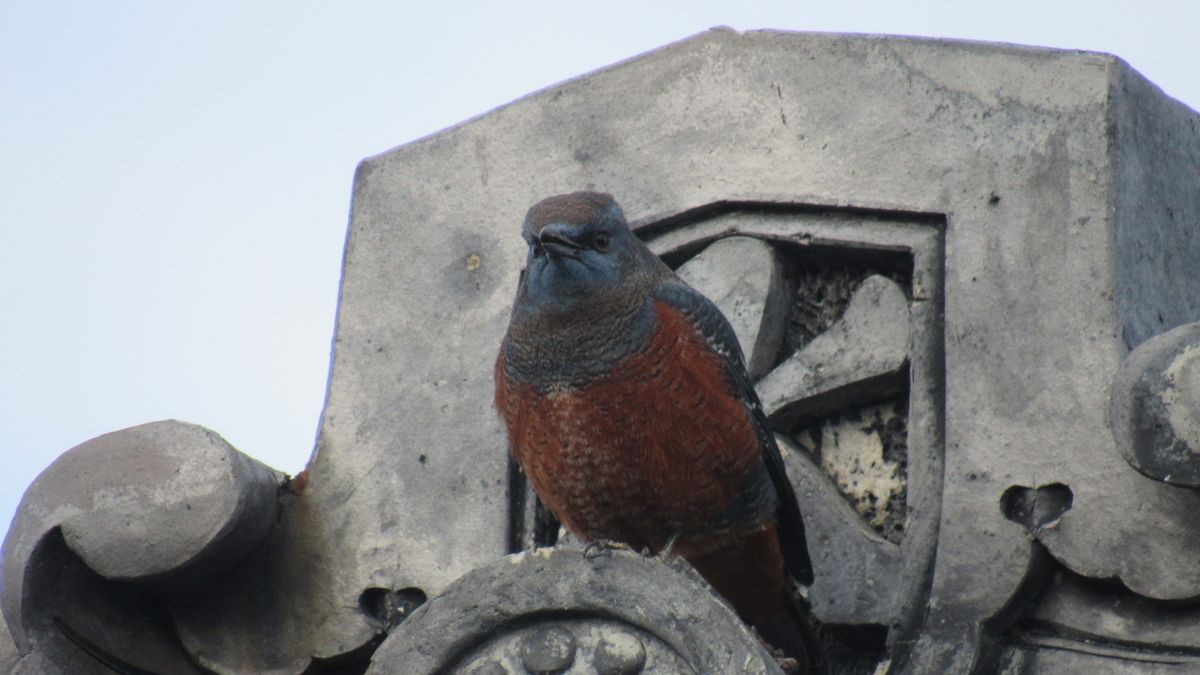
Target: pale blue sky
[(175, 178)]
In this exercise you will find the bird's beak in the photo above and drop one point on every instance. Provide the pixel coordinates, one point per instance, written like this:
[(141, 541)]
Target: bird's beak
[(558, 240)]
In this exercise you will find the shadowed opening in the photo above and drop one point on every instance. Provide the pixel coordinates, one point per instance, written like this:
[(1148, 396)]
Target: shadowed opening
[(390, 608), (1035, 508)]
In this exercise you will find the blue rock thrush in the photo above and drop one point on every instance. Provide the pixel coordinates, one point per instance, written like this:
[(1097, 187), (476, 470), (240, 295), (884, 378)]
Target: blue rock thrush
[(627, 404)]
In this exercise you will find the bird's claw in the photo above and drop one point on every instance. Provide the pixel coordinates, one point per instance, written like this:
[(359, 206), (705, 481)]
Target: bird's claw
[(601, 547), (787, 664), (665, 552)]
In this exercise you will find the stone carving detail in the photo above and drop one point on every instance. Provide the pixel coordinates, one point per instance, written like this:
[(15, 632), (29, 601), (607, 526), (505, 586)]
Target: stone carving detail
[(118, 521), (558, 611), (1155, 400), (1155, 409), (949, 299)]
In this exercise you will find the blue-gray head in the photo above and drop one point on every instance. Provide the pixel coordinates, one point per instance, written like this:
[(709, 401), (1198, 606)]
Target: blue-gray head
[(582, 256)]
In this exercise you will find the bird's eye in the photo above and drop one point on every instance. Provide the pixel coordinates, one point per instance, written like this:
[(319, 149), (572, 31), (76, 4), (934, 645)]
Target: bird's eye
[(600, 241), (538, 249)]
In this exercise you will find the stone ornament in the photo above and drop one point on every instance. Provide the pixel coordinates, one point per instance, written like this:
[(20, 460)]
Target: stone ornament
[(560, 611), (1155, 407), (947, 263), (114, 525)]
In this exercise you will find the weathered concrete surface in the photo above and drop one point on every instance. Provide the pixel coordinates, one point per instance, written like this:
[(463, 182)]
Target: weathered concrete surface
[(8, 649), (1027, 661), (1154, 153), (549, 610), (1075, 611), (1155, 410), (75, 620), (746, 279), (169, 505)]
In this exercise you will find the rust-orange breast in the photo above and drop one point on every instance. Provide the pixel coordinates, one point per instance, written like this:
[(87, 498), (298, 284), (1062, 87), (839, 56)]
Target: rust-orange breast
[(655, 447)]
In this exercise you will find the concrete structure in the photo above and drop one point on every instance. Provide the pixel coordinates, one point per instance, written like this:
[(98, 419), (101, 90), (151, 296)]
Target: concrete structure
[(628, 614), (960, 246)]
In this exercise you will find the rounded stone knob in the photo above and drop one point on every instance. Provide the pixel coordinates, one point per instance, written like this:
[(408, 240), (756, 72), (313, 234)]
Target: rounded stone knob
[(1155, 407), (620, 653), (547, 651)]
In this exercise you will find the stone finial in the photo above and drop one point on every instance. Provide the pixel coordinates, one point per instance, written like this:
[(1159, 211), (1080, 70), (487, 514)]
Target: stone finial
[(1155, 407)]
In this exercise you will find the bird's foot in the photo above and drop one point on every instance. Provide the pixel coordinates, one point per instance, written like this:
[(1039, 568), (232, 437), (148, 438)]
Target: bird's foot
[(602, 547), (665, 552), (786, 663)]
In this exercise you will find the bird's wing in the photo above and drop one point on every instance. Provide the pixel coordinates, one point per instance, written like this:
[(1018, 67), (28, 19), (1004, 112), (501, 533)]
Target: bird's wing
[(704, 316)]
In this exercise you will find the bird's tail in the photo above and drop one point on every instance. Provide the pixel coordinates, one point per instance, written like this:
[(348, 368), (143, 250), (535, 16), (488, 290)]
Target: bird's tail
[(748, 571), (797, 633)]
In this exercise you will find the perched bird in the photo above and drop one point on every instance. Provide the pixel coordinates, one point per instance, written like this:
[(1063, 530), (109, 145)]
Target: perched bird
[(627, 404)]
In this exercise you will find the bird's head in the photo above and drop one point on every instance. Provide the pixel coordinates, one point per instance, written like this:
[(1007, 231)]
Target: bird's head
[(581, 253)]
